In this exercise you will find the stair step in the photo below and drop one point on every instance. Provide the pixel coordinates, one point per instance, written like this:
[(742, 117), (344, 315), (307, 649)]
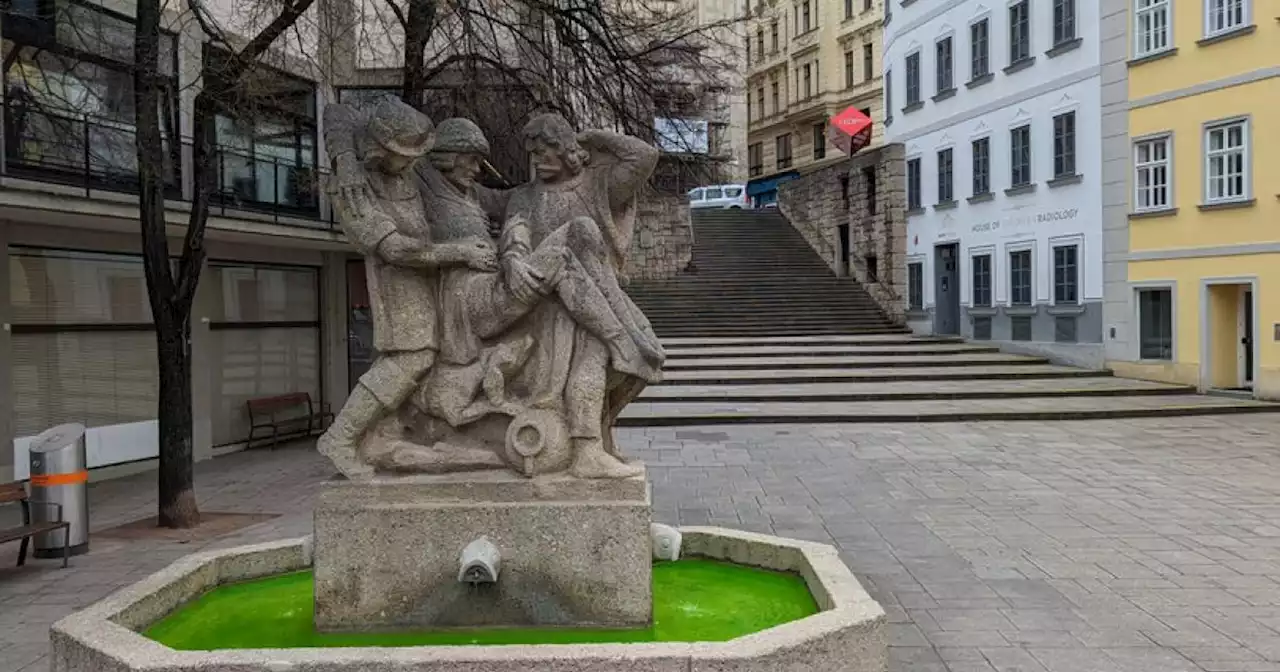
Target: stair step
[(846, 361), (663, 414), (887, 350), (880, 375), (806, 341), (911, 390)]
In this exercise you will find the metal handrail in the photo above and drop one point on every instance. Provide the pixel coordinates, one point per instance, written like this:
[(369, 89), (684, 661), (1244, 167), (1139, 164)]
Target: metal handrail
[(100, 154)]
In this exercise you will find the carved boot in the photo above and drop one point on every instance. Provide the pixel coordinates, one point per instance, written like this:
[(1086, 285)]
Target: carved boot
[(591, 461), (340, 443)]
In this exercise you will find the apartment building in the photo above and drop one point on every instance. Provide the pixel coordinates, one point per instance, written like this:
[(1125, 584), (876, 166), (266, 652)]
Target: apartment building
[(808, 61), (998, 106), (78, 341), (1193, 252)]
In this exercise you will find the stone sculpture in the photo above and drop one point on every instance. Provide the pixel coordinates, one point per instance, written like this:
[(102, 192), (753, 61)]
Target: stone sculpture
[(510, 354)]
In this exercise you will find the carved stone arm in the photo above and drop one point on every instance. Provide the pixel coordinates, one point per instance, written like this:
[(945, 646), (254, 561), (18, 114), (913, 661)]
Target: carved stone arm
[(636, 161)]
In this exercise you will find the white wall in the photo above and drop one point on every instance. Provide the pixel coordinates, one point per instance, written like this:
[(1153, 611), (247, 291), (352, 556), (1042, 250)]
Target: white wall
[(1068, 81)]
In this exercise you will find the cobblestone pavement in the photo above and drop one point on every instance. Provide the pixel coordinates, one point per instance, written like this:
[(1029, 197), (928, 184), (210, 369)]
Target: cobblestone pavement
[(1107, 546)]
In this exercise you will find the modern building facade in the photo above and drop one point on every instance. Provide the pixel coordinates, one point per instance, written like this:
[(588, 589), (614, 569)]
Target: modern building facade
[(1193, 253), (808, 61), (998, 108)]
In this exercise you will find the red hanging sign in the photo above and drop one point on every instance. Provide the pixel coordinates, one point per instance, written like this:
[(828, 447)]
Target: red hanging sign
[(850, 130)]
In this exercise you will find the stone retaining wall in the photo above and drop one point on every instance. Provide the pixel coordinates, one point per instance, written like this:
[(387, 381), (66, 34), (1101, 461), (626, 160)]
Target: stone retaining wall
[(663, 242), (819, 202)]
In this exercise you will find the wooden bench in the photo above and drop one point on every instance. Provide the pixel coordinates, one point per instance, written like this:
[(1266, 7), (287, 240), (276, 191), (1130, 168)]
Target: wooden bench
[(284, 416), (15, 492)]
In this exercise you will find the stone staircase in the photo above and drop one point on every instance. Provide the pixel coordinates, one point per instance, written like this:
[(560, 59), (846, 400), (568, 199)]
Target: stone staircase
[(765, 333), (755, 275)]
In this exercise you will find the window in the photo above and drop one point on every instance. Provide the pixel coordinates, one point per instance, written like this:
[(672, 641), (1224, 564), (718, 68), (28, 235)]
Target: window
[(868, 61), (981, 264), (1066, 274), (945, 65), (760, 101), (866, 5), (713, 193), (1226, 164), (1064, 145), (1064, 21), (1020, 328), (760, 43), (981, 166), (1019, 32), (873, 267), (915, 286), (1151, 174), (773, 37), (848, 9), (979, 49), (945, 169), (844, 191), (755, 159), (70, 112), (1155, 324), (1020, 278), (819, 141), (913, 184), (913, 78), (266, 136), (1150, 27), (869, 190), (782, 150), (773, 93), (1020, 156), (808, 80), (848, 69), (1222, 16), (808, 21)]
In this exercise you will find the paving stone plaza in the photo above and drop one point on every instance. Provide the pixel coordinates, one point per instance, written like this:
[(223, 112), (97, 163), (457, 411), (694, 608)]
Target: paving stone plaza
[(1125, 545)]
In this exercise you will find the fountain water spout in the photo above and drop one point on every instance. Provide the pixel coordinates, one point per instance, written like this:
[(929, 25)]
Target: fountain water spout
[(480, 562)]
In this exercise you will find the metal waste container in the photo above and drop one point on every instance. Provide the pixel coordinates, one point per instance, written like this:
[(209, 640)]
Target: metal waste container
[(60, 475)]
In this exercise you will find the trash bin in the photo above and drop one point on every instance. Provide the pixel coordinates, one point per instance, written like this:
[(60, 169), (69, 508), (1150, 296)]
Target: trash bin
[(60, 475)]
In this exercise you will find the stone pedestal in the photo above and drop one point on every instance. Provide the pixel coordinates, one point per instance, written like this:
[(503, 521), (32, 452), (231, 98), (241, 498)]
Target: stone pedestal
[(573, 552)]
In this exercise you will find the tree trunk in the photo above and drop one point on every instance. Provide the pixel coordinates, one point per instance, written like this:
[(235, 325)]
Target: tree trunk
[(419, 22), (170, 303), (177, 480)]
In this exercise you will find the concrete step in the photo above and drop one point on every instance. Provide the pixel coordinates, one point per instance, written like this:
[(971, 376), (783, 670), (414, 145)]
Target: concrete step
[(833, 339), (729, 331), (665, 414), (1101, 386), (848, 362), (887, 350), (888, 374)]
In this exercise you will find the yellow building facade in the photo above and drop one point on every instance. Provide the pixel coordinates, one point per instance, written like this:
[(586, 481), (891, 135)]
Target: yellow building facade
[(809, 60), (1199, 303)]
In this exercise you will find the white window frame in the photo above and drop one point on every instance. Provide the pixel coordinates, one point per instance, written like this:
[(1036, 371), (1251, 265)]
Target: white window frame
[(937, 65), (986, 46), (915, 261), (1077, 241), (1007, 280), (993, 276), (937, 169), (1246, 159), (906, 174), (906, 82), (1154, 285), (1139, 12), (1167, 140), (1031, 29), (1246, 16)]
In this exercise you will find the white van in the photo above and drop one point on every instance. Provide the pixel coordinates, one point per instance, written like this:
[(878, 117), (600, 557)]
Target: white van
[(723, 196)]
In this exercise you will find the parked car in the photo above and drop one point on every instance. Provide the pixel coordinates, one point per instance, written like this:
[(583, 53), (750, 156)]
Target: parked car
[(723, 196)]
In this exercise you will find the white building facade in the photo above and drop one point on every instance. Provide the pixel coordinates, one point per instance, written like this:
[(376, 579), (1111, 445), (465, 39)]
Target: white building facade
[(997, 104)]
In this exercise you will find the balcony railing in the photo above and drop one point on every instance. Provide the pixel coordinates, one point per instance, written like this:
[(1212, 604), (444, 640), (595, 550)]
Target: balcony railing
[(98, 155)]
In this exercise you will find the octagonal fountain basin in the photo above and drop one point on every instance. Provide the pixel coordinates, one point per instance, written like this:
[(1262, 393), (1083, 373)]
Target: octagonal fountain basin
[(735, 601)]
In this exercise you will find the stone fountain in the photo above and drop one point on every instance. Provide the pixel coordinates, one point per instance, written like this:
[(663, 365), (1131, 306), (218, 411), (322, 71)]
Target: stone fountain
[(483, 488)]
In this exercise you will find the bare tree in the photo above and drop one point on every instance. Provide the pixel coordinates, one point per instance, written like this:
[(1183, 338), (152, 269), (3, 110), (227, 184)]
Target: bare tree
[(172, 288), (618, 63)]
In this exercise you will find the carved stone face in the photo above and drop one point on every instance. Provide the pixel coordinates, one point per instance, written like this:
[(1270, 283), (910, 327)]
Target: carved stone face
[(395, 164), (548, 162), (466, 167)]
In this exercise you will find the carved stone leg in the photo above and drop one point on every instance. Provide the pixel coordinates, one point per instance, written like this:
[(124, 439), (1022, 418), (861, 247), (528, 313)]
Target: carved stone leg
[(382, 389), (585, 397)]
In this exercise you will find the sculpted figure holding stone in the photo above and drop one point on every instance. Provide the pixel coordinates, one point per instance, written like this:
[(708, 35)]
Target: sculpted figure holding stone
[(380, 209)]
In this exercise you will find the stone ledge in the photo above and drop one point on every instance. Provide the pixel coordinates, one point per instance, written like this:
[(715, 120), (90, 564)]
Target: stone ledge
[(1020, 65), (1021, 189), (912, 107), (979, 81), (1064, 47), (491, 487), (1154, 214), (944, 94), (849, 634), (1154, 56), (981, 198), (1065, 180), (1227, 35), (1228, 205)]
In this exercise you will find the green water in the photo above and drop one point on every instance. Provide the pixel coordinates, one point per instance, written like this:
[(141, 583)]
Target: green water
[(694, 600)]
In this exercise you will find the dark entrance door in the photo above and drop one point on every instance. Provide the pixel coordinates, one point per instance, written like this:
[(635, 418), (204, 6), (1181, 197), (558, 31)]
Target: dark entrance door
[(946, 289), (1247, 339), (843, 262)]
